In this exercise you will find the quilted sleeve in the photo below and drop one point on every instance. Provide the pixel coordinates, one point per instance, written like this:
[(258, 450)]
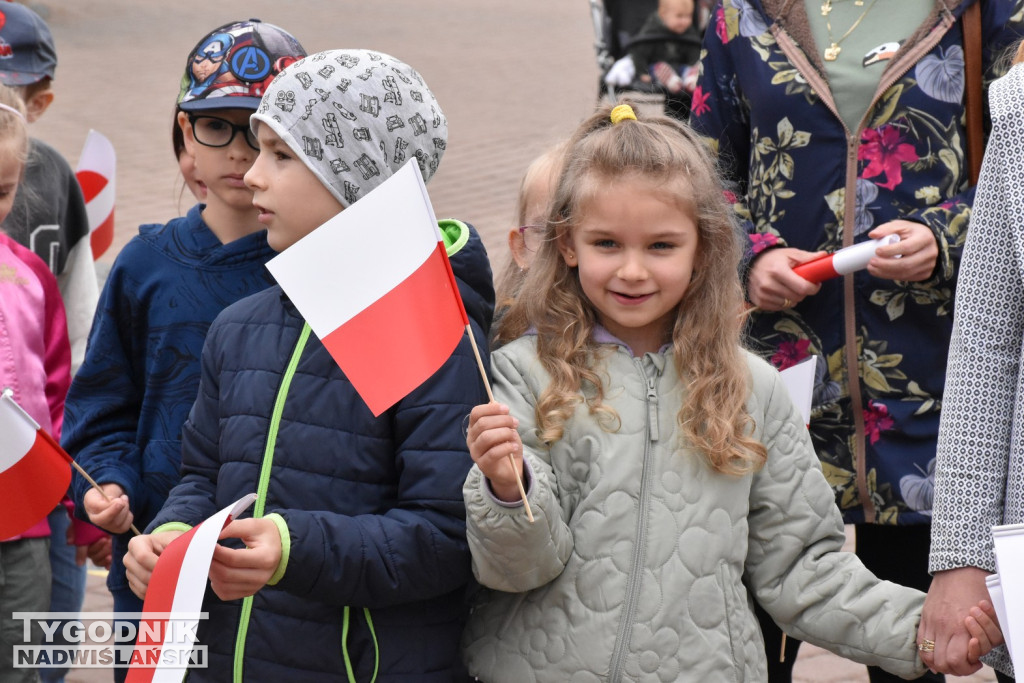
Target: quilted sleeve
[(509, 553), (416, 549), (796, 566), (977, 425)]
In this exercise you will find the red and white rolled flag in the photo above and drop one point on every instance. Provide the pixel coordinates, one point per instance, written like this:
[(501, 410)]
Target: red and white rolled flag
[(174, 598), (95, 173), (34, 470), (844, 261)]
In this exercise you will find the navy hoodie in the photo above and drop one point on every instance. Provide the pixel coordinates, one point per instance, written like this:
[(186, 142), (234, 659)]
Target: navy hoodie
[(127, 403)]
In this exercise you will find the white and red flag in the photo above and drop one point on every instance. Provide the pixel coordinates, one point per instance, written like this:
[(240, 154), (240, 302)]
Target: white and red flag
[(174, 600), (34, 470), (95, 173), (843, 262), (375, 285)]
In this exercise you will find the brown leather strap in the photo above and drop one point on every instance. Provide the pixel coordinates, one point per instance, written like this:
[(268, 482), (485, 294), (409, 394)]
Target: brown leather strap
[(973, 101)]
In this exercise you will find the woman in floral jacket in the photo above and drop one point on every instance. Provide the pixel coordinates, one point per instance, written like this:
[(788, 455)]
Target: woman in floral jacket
[(840, 122)]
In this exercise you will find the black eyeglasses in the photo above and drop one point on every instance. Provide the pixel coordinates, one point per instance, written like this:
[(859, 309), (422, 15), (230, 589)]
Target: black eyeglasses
[(213, 131)]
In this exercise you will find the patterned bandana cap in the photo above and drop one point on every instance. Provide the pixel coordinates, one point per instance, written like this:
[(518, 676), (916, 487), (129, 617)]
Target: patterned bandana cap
[(355, 117), (233, 65)]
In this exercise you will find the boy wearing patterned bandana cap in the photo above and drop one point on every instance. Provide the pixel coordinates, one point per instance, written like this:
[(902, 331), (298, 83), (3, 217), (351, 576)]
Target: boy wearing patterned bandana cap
[(354, 117), (127, 404), (355, 560)]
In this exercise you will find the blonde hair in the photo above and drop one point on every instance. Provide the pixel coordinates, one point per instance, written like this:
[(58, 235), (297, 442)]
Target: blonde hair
[(13, 126), (706, 332), (547, 163)]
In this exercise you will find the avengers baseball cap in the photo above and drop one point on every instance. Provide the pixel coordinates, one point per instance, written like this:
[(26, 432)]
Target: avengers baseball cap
[(27, 52), (231, 67)]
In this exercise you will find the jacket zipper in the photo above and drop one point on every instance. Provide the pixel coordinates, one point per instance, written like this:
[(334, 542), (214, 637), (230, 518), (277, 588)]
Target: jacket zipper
[(264, 485), (636, 571), (799, 60)]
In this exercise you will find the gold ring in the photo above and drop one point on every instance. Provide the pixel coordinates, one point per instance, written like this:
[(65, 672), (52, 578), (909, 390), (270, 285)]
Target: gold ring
[(926, 645), (787, 304)]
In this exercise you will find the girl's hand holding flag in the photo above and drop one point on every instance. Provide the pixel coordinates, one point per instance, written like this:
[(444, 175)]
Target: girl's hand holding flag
[(493, 441)]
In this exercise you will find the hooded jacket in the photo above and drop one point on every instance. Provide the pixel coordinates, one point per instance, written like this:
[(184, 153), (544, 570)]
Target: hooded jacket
[(804, 180), (132, 394), (373, 526)]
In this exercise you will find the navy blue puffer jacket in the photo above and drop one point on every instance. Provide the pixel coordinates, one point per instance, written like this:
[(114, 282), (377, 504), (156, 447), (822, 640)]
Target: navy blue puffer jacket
[(378, 562)]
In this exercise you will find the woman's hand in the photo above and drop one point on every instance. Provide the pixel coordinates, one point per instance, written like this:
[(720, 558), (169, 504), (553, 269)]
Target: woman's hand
[(773, 286), (912, 259)]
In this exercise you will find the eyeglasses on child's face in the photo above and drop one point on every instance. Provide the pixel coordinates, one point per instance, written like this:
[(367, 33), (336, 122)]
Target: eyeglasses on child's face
[(213, 131), (533, 236)]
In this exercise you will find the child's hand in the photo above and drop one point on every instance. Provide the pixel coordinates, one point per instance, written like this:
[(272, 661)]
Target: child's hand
[(983, 625), (111, 513), (491, 437), (139, 561), (239, 573), (99, 551)]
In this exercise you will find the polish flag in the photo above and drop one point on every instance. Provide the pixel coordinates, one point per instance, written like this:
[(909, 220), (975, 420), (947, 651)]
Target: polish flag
[(375, 285), (174, 600), (844, 261), (95, 175), (34, 470)]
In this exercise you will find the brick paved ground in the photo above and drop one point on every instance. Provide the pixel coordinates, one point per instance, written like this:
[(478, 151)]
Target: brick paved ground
[(512, 79)]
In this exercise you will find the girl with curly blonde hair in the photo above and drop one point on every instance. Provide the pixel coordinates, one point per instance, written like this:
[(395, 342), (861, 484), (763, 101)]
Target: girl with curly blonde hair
[(672, 480)]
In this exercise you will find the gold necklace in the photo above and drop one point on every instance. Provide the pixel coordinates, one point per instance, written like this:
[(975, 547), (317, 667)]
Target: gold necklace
[(833, 50), (826, 6)]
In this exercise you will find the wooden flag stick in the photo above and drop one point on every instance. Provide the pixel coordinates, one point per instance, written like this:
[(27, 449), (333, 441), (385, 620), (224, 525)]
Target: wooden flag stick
[(490, 395)]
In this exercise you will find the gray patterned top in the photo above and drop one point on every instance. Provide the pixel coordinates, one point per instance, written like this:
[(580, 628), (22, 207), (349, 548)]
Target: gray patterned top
[(979, 475)]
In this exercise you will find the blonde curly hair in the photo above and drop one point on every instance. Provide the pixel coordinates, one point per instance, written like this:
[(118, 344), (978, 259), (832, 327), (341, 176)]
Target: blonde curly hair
[(706, 333)]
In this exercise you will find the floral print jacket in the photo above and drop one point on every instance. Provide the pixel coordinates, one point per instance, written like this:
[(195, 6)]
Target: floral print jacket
[(801, 177)]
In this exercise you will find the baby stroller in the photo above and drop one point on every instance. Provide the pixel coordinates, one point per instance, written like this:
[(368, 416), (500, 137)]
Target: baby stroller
[(616, 25)]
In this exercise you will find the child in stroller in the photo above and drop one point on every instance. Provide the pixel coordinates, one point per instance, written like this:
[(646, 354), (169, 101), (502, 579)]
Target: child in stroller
[(650, 48)]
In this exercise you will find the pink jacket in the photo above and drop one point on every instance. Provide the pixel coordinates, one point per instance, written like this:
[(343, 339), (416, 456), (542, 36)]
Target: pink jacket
[(35, 355)]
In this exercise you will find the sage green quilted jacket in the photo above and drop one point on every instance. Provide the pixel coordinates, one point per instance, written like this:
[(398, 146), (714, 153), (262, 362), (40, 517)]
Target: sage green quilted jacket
[(643, 563)]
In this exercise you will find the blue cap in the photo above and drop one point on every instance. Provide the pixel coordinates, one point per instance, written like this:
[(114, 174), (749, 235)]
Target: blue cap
[(27, 52), (231, 67)]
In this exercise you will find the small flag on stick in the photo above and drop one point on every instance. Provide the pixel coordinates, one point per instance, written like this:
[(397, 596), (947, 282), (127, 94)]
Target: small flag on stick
[(95, 173), (34, 470), (375, 285)]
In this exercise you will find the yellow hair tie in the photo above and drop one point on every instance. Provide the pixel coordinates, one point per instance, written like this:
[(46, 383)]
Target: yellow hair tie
[(621, 113)]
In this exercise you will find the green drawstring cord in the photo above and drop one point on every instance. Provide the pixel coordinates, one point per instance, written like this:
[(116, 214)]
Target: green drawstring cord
[(264, 484), (344, 645)]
